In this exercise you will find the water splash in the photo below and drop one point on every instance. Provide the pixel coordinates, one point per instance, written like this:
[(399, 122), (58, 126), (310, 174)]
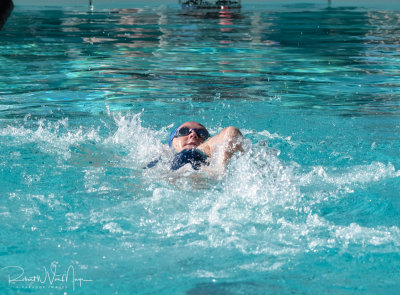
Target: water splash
[(259, 216)]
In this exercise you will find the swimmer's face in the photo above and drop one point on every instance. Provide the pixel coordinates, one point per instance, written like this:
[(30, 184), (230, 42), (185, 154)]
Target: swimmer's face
[(190, 141)]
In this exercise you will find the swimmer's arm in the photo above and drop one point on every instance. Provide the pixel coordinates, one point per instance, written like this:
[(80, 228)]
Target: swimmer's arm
[(228, 141)]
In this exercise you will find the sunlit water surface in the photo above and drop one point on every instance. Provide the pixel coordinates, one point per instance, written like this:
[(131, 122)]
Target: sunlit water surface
[(88, 99)]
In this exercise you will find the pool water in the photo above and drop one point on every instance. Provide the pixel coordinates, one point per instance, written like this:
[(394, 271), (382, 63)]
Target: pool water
[(87, 99)]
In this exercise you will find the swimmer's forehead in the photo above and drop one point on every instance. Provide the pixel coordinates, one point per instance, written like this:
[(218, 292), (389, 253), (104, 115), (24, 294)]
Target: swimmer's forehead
[(192, 124)]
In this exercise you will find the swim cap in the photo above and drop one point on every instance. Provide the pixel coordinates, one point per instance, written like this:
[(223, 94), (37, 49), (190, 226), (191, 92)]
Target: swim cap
[(171, 137)]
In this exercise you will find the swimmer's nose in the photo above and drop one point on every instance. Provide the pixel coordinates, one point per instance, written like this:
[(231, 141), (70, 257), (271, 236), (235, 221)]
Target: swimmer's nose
[(193, 134)]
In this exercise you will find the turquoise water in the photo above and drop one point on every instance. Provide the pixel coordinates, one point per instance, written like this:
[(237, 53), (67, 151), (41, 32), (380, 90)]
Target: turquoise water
[(88, 99)]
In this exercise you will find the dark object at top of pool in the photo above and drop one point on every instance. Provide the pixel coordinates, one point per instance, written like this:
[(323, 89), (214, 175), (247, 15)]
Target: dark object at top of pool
[(210, 4), (6, 6), (210, 8)]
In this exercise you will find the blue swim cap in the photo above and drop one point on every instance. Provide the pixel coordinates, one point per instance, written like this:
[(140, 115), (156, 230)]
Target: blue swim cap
[(171, 137)]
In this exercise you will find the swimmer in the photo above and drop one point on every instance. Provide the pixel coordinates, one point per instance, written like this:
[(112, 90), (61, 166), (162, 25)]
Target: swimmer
[(193, 144)]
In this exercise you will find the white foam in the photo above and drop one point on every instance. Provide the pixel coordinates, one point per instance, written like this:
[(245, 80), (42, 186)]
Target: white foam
[(51, 137), (359, 174), (143, 143), (114, 227), (365, 236), (258, 207)]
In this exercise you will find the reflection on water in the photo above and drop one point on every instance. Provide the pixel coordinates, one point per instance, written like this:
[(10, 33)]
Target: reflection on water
[(295, 54)]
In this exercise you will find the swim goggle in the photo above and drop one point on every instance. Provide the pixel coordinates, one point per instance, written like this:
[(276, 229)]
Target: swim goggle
[(184, 131)]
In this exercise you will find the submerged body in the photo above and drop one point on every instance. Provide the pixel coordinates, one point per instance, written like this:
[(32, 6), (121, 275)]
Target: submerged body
[(194, 157)]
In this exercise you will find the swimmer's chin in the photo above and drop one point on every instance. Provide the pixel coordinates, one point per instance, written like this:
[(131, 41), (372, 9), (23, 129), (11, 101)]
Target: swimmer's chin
[(190, 147)]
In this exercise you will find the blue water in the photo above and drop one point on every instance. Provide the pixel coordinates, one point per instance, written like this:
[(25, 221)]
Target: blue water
[(89, 98)]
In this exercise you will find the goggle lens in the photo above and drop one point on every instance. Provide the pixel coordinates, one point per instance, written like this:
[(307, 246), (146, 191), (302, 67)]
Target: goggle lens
[(184, 131)]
